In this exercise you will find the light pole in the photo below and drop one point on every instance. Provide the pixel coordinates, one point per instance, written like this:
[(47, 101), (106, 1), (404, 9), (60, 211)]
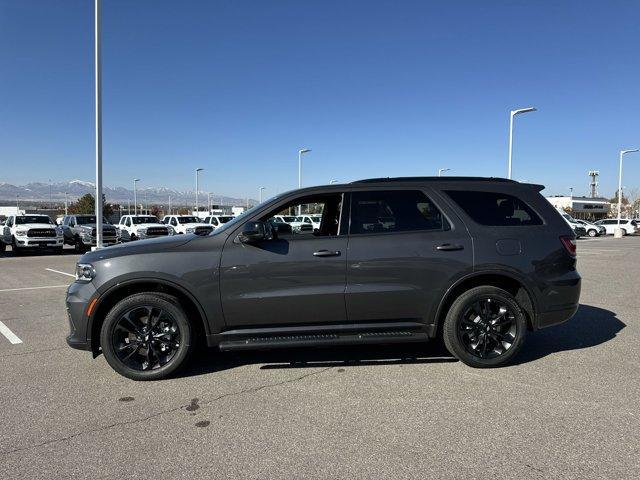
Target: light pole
[(331, 182), (440, 170), (622, 154), (66, 204), (198, 170), (513, 114), (135, 196), (146, 203), (17, 204), (169, 204), (300, 153), (98, 101), (260, 193)]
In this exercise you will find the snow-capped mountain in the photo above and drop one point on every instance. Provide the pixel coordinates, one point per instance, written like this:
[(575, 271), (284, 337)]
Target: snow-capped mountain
[(39, 192)]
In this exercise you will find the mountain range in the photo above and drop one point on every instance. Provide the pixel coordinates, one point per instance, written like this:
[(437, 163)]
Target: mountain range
[(40, 192)]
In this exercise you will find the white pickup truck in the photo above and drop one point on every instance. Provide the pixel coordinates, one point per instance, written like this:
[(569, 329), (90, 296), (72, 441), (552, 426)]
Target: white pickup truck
[(138, 227), (187, 224), (218, 220), (30, 231)]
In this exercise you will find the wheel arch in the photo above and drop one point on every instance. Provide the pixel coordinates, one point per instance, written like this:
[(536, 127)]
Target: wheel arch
[(495, 278), (121, 290)]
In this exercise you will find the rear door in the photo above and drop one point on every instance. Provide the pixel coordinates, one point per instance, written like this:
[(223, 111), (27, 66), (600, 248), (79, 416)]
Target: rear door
[(404, 252)]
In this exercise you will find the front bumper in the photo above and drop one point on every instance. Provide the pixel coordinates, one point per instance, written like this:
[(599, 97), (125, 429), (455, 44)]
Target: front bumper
[(78, 297), (35, 242), (108, 241)]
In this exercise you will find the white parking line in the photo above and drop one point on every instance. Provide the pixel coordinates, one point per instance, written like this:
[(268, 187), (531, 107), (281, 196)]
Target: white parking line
[(32, 288), (12, 337), (61, 273)]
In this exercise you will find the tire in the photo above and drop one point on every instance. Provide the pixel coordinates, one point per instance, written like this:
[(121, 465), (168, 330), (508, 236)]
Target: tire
[(58, 250), (146, 363), (592, 233), (463, 326), (17, 251), (3, 247), (624, 232), (132, 238), (79, 246)]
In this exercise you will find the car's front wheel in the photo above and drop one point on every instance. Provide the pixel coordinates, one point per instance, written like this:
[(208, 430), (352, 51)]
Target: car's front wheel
[(146, 336), (593, 233), (485, 327)]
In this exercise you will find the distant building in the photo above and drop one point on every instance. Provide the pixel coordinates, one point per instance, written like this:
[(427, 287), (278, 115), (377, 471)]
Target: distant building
[(585, 208), (6, 211)]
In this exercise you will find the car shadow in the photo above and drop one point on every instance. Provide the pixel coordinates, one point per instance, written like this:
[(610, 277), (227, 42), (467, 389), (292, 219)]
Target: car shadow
[(591, 326)]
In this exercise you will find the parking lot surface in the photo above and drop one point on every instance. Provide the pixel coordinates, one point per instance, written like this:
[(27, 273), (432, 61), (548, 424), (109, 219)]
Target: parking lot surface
[(568, 408)]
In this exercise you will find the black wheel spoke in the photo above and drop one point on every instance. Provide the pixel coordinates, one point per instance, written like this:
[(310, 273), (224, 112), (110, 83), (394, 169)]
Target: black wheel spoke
[(486, 328)]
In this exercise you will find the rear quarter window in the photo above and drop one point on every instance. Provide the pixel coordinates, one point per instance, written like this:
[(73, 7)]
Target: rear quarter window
[(495, 209)]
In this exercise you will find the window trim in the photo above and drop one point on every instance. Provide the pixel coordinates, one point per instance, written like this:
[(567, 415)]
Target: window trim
[(429, 195)]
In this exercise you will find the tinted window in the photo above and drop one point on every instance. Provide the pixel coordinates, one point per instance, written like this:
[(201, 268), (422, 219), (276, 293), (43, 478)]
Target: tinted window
[(495, 209), (393, 211)]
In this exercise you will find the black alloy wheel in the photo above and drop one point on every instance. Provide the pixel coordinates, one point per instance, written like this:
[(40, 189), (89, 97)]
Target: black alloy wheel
[(146, 336), (485, 327)]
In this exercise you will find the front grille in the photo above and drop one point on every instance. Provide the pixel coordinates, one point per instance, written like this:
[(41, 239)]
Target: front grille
[(41, 232), (203, 230), (106, 232), (156, 231)]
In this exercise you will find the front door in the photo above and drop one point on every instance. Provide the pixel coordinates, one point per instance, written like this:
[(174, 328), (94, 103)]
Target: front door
[(297, 278), (403, 253)]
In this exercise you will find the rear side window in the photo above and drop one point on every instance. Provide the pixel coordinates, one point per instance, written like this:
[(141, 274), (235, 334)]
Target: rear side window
[(393, 211), (495, 209)]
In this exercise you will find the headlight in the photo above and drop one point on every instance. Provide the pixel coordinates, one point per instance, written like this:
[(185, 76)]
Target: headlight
[(58, 231), (85, 272), (142, 231), (21, 233), (191, 230)]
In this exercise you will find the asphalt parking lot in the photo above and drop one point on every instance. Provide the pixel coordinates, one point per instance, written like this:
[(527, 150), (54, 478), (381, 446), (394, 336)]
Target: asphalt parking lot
[(568, 408)]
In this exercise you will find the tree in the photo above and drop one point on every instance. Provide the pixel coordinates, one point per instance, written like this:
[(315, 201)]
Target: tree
[(87, 205)]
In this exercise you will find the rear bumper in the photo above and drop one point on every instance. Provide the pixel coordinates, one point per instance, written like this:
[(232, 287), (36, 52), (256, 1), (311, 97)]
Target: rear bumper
[(556, 317), (560, 301)]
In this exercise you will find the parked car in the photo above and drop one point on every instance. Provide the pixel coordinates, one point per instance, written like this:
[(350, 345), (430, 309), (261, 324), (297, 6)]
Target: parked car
[(24, 232), (610, 225), (471, 259), (218, 220), (592, 229), (187, 224), (80, 231), (577, 228), (138, 227)]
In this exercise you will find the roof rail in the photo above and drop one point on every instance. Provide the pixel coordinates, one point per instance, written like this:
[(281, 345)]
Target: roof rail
[(434, 179)]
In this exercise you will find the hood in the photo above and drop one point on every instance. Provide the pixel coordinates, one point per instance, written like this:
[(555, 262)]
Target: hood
[(152, 245), (91, 227), (152, 225), (36, 225), (195, 225)]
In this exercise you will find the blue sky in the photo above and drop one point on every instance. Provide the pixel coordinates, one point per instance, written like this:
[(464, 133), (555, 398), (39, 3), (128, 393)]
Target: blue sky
[(375, 88)]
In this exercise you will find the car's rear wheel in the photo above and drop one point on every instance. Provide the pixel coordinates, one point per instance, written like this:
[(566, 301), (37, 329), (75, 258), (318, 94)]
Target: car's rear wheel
[(485, 327), (146, 336), (592, 233)]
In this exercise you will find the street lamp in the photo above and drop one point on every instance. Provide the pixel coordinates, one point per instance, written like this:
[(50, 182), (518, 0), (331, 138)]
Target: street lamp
[(513, 114), (135, 196), (17, 204), (440, 170), (169, 204), (97, 57), (50, 204), (260, 193), (66, 204), (622, 154), (331, 182), (198, 170), (300, 153)]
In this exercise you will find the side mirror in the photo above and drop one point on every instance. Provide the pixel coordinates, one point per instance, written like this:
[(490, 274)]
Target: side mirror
[(252, 232)]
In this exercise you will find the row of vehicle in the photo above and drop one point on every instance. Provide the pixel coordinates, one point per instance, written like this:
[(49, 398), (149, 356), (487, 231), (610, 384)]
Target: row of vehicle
[(583, 228), (23, 232)]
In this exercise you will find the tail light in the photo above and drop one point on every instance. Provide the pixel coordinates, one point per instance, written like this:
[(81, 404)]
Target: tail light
[(569, 244)]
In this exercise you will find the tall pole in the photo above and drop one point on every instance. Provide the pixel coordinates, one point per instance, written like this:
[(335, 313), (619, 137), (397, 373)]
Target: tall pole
[(98, 99), (208, 203), (198, 170), (331, 182), (66, 204), (169, 204), (513, 114), (440, 170), (260, 193), (146, 203), (300, 153), (135, 196), (622, 154), (17, 204), (50, 202)]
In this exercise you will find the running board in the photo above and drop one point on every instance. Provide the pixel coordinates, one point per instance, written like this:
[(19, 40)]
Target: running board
[(316, 340)]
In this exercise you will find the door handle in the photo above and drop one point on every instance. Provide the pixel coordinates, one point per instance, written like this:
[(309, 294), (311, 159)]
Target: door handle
[(326, 253), (448, 247)]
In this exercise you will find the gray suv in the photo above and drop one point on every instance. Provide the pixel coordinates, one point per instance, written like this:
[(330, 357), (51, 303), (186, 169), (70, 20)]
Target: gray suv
[(477, 261), (80, 231)]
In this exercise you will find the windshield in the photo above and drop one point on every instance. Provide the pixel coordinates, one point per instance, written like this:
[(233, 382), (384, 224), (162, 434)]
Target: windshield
[(140, 220), (289, 219), (23, 220), (88, 219), (188, 220)]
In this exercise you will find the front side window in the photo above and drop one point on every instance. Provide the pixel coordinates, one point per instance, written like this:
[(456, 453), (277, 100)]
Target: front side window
[(328, 206), (387, 211), (184, 220), (495, 209)]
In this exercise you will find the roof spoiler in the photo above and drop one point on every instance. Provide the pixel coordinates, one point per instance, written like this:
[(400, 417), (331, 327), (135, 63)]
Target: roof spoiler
[(535, 186)]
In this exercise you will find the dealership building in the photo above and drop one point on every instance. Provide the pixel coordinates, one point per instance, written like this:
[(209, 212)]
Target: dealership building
[(585, 208)]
